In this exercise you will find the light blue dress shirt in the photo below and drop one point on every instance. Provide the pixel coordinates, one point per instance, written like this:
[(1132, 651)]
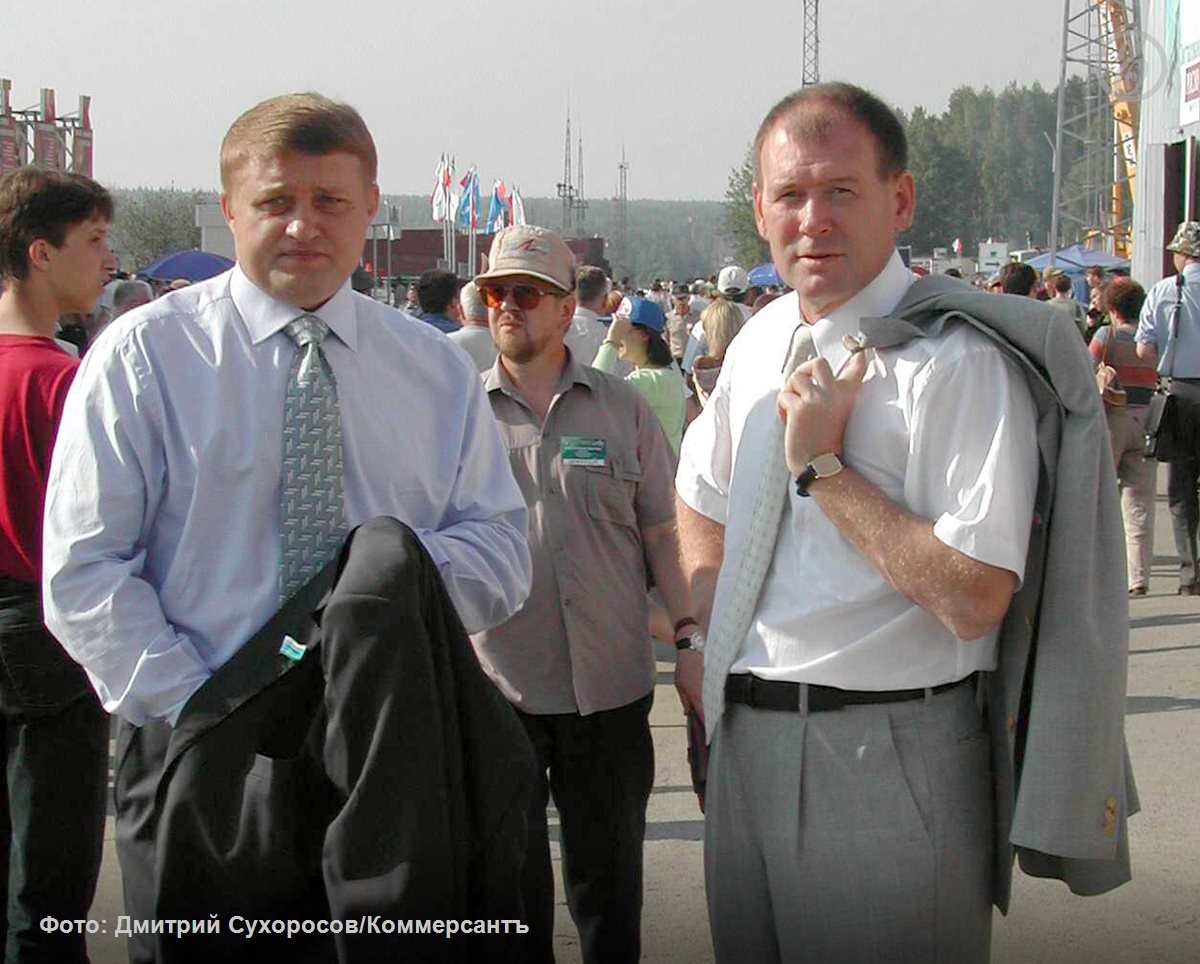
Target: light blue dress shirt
[(1154, 326), (162, 514)]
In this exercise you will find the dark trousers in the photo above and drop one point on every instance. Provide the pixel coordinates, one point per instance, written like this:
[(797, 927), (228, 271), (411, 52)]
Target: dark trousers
[(56, 773), (1183, 482), (600, 769), (140, 753)]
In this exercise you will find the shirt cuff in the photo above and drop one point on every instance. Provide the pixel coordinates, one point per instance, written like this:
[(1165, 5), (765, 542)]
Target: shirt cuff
[(966, 539)]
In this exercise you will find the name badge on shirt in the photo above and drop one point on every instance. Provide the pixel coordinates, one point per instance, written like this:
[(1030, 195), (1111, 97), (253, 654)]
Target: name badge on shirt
[(293, 650), (577, 450)]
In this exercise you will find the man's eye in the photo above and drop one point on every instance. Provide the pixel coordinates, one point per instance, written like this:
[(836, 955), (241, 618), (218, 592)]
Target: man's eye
[(273, 203)]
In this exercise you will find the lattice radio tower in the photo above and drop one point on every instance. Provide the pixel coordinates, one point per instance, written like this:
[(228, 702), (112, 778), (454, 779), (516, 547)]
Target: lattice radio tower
[(571, 194), (622, 199), (812, 46)]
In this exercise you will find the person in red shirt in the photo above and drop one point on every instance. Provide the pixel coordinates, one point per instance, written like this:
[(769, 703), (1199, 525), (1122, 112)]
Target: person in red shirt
[(54, 259)]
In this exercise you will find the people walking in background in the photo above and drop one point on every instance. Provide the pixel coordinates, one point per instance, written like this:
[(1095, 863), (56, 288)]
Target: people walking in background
[(721, 322), (474, 337), (1126, 383), (1168, 336), (636, 336)]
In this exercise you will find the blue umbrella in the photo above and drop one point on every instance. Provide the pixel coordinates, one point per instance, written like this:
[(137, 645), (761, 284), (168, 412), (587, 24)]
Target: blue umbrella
[(190, 265), (765, 274)]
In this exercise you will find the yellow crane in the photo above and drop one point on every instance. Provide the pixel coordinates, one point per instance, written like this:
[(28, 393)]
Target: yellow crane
[(1124, 83)]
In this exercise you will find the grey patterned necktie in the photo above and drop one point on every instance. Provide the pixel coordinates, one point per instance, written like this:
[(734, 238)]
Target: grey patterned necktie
[(312, 517), (727, 634)]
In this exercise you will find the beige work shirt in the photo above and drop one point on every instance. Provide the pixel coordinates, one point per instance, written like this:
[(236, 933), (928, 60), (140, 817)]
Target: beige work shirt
[(580, 644)]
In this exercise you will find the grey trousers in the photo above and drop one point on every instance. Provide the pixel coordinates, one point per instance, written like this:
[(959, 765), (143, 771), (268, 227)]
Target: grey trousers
[(863, 834)]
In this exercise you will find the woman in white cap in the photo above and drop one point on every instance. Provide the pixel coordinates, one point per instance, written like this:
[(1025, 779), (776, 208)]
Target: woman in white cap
[(635, 336)]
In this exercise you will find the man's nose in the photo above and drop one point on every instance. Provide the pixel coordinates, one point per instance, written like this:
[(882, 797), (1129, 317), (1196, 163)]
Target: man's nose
[(303, 222), (814, 216)]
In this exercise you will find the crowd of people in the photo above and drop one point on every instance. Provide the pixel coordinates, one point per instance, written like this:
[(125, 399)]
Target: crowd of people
[(829, 496)]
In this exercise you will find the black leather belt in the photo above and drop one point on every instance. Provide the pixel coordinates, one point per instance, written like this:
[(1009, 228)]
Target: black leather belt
[(770, 694), (1138, 394)]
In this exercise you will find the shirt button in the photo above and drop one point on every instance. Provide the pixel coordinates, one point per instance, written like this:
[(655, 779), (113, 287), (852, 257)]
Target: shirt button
[(554, 490)]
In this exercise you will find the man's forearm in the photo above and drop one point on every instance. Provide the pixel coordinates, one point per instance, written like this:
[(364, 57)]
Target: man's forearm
[(968, 597), (702, 546), (662, 553)]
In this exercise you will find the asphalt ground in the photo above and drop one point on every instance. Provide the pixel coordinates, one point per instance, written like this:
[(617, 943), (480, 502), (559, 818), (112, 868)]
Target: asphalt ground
[(1154, 918)]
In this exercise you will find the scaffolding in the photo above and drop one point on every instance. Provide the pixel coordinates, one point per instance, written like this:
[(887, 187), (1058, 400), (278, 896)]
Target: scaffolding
[(1102, 39), (37, 135), (812, 48)]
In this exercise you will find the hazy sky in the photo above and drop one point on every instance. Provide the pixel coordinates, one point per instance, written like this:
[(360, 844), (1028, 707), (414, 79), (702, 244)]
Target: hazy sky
[(681, 84)]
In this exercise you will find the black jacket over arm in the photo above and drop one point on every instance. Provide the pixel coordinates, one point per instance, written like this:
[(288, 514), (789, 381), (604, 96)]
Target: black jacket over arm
[(379, 778)]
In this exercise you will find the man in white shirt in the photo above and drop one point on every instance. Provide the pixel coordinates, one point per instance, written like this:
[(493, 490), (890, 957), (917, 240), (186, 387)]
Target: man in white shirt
[(165, 525), (474, 337), (849, 810), (587, 331)]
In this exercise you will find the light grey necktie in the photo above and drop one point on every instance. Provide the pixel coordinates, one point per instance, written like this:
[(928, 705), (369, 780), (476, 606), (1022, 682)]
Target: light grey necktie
[(726, 635), (312, 517)]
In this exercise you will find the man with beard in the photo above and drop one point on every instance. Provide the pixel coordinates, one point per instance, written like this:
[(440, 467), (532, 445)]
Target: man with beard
[(577, 661)]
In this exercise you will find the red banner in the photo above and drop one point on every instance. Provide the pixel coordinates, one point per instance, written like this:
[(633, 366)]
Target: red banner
[(10, 160), (47, 151)]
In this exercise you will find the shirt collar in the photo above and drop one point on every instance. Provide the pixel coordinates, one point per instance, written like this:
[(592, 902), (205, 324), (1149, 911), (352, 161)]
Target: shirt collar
[(265, 314), (572, 374), (585, 313), (877, 300)]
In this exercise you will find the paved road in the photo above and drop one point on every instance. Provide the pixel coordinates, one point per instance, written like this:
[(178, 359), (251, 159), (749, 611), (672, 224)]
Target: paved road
[(1155, 918)]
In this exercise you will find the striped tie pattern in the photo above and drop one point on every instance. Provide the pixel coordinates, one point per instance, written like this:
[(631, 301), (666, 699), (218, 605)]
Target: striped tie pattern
[(312, 516), (735, 618)]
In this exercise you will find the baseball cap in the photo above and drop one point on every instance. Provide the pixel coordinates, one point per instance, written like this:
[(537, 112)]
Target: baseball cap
[(732, 278), (644, 312), (524, 249), (1187, 239)]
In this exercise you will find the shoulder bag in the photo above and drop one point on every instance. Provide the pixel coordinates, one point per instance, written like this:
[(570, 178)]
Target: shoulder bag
[(1164, 438)]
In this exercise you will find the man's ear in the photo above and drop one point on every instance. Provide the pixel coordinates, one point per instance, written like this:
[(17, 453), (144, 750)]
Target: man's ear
[(39, 253)]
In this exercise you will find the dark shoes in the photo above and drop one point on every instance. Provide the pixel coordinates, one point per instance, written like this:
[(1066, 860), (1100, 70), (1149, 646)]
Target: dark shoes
[(1188, 589), (1137, 590)]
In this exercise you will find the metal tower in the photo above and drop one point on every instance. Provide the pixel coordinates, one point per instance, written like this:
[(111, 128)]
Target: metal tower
[(1095, 205), (566, 190), (579, 204), (622, 199), (812, 47)]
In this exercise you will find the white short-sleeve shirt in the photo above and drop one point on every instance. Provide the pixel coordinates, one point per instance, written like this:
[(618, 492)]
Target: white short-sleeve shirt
[(945, 427)]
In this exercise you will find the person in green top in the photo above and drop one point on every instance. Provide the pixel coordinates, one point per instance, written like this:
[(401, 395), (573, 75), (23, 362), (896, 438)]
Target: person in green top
[(635, 336)]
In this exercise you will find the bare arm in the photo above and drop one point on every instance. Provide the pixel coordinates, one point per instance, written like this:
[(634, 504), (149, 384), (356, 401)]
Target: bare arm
[(662, 553), (968, 597), (1147, 352), (702, 543)]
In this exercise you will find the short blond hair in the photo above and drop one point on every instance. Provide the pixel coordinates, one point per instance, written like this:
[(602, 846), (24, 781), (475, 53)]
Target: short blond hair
[(304, 123), (721, 321)]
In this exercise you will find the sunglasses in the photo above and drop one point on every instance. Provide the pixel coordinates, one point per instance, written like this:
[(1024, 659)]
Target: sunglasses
[(526, 296)]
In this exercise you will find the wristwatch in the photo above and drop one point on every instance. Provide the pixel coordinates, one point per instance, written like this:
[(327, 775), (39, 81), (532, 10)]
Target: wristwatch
[(694, 642), (822, 467)]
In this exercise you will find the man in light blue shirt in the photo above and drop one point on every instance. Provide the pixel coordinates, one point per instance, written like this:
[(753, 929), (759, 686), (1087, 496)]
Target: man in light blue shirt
[(163, 514), (1179, 359)]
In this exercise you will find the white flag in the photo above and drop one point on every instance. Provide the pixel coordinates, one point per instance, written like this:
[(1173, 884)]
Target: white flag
[(518, 207), (437, 199)]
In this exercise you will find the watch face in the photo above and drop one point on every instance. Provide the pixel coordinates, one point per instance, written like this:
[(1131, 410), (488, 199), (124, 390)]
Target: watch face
[(827, 465)]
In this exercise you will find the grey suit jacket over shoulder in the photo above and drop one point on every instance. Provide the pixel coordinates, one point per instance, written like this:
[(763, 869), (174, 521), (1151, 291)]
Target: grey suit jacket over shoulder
[(1056, 703)]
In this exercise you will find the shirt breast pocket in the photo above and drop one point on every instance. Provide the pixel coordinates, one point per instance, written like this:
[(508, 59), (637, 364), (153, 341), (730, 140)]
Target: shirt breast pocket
[(611, 491)]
